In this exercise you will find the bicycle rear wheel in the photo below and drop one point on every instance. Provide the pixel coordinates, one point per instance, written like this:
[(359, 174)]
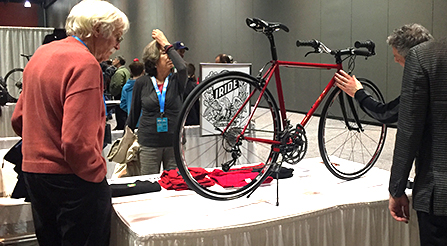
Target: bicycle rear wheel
[(349, 150), (214, 144), (13, 80)]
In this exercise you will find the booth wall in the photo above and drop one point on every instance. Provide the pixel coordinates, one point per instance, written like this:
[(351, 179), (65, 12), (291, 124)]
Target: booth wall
[(210, 27)]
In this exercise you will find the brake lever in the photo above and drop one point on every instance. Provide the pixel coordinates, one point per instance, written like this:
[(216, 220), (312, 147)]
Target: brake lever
[(311, 52)]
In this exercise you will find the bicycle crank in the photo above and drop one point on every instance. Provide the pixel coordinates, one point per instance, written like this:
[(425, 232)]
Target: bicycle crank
[(294, 145)]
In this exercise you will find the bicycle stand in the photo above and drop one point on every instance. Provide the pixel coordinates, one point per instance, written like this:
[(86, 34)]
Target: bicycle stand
[(277, 168)]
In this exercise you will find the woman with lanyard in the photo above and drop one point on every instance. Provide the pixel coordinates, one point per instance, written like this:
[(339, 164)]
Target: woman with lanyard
[(156, 102)]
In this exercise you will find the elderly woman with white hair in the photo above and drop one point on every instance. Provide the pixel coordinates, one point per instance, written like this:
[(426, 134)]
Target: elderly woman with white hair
[(60, 116)]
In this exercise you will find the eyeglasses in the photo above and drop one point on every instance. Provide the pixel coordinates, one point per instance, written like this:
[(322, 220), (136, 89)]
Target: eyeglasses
[(119, 39)]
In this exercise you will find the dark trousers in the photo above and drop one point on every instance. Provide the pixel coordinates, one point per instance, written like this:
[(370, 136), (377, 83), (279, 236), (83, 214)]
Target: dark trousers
[(121, 117), (68, 210), (432, 229)]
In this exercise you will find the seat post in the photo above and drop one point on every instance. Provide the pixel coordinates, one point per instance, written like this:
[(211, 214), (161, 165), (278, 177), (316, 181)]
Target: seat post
[(272, 46)]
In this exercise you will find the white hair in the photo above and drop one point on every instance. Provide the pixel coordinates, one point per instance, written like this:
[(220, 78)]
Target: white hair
[(88, 14)]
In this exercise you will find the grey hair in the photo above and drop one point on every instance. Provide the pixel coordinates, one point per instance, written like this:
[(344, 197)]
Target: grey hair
[(409, 35), (88, 14), (151, 55)]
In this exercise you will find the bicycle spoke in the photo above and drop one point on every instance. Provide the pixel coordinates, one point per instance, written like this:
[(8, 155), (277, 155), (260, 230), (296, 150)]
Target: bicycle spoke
[(219, 142), (341, 138)]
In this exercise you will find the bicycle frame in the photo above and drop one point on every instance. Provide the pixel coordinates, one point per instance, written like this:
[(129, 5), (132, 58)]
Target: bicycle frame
[(273, 70), (243, 135)]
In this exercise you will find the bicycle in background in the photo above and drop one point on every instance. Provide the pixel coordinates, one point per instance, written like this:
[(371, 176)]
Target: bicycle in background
[(14, 79), (244, 125)]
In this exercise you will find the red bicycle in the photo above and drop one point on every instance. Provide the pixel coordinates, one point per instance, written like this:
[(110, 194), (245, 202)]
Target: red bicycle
[(241, 124)]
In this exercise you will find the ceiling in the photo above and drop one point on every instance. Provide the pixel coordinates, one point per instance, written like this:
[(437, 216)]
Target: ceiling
[(31, 1), (21, 1), (46, 3)]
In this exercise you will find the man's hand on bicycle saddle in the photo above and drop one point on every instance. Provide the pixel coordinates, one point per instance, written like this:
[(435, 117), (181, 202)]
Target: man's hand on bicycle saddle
[(347, 83)]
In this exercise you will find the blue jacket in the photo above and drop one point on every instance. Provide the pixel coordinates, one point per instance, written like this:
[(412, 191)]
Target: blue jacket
[(126, 95)]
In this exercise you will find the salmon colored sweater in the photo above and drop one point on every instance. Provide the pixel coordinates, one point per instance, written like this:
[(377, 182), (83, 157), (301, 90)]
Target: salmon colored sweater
[(60, 113)]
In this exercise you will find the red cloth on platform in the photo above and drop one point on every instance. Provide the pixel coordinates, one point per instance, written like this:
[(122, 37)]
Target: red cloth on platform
[(172, 180), (235, 177)]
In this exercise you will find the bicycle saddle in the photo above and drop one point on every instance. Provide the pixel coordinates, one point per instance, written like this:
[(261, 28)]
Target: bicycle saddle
[(265, 26)]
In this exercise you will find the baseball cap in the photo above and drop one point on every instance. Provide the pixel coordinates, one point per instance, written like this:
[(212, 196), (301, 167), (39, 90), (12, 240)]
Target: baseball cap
[(179, 45)]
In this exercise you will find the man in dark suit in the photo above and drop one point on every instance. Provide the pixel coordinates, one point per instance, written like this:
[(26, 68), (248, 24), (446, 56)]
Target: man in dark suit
[(401, 41), (422, 136)]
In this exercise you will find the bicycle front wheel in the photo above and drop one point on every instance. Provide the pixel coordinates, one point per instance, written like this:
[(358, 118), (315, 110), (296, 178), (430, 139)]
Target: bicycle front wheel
[(350, 140), (222, 105), (13, 80)]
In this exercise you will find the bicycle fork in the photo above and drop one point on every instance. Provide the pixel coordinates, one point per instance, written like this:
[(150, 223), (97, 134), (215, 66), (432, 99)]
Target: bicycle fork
[(359, 127)]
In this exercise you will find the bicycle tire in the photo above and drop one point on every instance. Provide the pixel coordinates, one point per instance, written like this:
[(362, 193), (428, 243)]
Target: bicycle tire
[(350, 153), (13, 80), (202, 146)]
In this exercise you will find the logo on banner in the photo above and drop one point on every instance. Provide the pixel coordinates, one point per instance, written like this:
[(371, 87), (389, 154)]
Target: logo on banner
[(223, 101)]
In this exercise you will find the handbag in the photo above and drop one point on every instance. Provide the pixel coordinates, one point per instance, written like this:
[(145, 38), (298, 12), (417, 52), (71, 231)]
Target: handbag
[(14, 155), (132, 166), (118, 151)]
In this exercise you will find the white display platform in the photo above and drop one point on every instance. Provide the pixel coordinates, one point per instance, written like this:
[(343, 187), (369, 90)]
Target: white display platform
[(5, 120), (315, 208), (16, 222)]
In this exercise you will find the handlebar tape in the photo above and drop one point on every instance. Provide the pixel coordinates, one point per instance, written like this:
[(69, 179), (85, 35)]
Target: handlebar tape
[(369, 44), (362, 53), (364, 44), (312, 43)]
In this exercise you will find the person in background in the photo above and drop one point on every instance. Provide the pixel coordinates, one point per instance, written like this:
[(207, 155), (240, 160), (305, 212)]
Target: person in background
[(118, 80), (157, 97), (57, 34), (180, 48), (193, 116), (136, 71), (400, 41), (107, 71), (223, 58), (64, 171)]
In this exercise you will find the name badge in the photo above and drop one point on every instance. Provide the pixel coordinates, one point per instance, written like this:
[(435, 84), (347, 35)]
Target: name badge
[(162, 124)]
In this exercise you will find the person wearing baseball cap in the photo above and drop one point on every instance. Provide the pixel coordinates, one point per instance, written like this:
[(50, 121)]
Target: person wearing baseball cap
[(180, 48)]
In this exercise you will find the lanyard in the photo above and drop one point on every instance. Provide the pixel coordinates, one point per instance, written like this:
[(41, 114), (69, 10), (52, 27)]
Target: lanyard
[(80, 40), (161, 95)]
